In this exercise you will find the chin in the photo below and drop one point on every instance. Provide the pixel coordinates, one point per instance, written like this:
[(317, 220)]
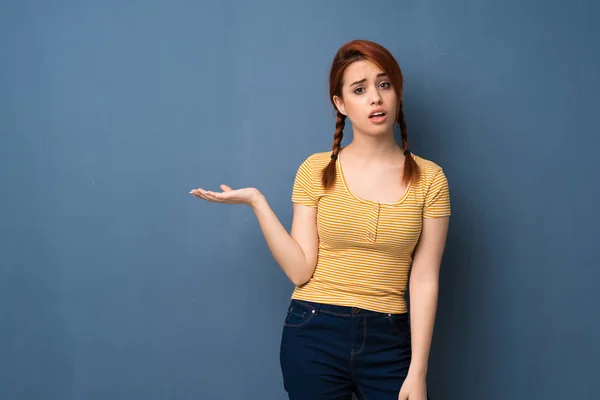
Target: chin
[(380, 130), (368, 128)]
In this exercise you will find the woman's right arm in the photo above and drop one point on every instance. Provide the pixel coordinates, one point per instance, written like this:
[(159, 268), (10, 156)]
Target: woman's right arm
[(296, 253)]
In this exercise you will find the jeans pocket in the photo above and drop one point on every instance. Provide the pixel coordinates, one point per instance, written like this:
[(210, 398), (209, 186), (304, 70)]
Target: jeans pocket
[(399, 322), (299, 314)]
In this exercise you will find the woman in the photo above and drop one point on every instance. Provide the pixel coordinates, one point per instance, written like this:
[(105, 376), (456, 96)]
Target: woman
[(363, 216)]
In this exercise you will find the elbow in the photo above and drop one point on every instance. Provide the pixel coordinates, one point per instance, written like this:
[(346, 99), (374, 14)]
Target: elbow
[(299, 280), (426, 274)]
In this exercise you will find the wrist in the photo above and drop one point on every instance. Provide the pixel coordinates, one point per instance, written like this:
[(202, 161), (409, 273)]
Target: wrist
[(256, 200), (418, 371)]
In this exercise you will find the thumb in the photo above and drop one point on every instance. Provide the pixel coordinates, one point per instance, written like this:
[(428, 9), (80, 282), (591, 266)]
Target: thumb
[(225, 188)]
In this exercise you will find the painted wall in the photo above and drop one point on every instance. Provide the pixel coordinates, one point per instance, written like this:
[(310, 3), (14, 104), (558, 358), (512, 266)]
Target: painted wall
[(116, 283)]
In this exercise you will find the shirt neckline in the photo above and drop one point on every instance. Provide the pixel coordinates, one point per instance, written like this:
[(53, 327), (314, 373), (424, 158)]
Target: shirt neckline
[(347, 188)]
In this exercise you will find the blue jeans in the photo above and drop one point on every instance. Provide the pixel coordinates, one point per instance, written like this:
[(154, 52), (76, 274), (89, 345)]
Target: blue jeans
[(329, 352)]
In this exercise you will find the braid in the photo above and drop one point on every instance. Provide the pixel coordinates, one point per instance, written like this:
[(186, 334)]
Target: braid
[(329, 172), (411, 169), (340, 123), (403, 130)]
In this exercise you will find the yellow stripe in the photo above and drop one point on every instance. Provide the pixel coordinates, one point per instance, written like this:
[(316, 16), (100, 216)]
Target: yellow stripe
[(365, 248)]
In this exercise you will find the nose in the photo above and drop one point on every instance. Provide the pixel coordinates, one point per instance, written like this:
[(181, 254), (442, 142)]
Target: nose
[(375, 97)]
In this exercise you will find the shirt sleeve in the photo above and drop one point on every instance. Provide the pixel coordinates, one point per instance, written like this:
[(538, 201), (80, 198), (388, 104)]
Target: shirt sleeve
[(437, 199), (304, 187)]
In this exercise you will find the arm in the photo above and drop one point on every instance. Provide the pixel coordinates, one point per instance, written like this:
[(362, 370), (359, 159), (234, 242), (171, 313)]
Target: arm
[(296, 253), (424, 283)]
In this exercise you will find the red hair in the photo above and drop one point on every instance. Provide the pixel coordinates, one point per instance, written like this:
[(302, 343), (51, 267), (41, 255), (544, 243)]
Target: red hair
[(350, 52)]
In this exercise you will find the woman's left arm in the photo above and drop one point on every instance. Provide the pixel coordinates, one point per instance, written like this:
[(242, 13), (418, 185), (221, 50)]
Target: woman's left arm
[(424, 284)]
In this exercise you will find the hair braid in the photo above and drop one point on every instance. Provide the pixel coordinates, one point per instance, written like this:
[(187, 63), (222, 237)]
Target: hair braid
[(411, 169), (329, 172)]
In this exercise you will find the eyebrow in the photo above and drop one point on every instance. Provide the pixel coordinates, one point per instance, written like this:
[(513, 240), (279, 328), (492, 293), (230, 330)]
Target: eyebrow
[(365, 79)]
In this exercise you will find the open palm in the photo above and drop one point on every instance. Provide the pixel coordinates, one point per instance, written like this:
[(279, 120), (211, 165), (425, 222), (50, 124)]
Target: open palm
[(228, 195)]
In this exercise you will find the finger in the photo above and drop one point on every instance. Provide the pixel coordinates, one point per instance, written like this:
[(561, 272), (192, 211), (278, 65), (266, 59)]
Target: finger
[(201, 194), (214, 196), (210, 193), (219, 195), (225, 188), (204, 197)]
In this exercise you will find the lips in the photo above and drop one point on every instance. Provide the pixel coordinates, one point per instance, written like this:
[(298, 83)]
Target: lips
[(377, 113), (378, 116)]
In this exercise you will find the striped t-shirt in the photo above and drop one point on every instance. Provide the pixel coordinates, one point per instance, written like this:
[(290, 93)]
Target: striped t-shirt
[(365, 247)]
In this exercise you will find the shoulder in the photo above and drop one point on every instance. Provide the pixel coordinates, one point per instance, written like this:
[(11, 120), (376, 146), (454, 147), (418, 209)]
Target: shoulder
[(307, 184), (426, 165), (434, 188), (429, 170), (314, 163), (318, 160)]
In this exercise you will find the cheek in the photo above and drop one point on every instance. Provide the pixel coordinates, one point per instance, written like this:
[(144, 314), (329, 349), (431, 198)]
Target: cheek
[(391, 99), (354, 107)]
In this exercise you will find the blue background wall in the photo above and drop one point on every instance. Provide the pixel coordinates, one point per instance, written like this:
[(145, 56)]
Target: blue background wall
[(115, 283)]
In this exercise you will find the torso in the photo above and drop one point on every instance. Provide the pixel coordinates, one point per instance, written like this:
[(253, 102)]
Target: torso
[(367, 234)]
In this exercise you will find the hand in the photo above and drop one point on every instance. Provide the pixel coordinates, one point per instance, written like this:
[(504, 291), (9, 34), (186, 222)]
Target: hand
[(413, 388), (246, 196)]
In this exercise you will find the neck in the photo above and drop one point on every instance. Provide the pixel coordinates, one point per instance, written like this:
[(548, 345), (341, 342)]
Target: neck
[(375, 147)]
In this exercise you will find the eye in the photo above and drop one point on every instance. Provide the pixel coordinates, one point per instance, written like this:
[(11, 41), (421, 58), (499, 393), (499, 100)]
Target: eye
[(358, 90), (385, 85)]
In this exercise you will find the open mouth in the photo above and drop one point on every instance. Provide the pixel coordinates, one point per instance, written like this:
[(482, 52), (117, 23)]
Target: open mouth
[(377, 114)]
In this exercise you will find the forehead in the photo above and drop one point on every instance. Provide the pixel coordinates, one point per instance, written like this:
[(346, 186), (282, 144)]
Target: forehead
[(362, 69)]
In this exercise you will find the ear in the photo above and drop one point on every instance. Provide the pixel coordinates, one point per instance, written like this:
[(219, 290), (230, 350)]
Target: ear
[(339, 104)]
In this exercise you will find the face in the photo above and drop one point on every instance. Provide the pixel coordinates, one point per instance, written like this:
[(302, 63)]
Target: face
[(368, 99)]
